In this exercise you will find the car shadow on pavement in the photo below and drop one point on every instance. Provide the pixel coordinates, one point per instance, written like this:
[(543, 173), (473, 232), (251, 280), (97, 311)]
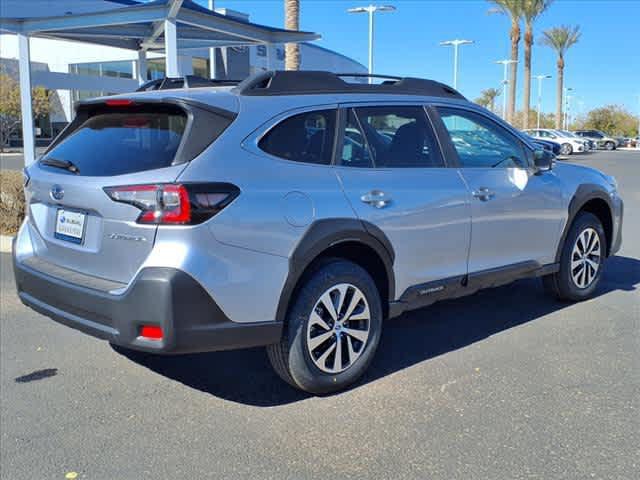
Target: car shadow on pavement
[(245, 376)]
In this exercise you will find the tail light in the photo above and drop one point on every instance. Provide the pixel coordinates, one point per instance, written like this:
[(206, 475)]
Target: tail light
[(175, 204)]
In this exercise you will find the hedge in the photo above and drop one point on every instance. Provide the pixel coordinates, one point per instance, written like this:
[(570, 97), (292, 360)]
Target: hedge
[(12, 206)]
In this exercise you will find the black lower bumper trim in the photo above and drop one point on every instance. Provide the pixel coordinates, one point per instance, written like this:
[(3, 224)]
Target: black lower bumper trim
[(190, 319)]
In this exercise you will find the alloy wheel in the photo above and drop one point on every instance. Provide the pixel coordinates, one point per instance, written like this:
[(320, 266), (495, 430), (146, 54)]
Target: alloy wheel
[(585, 258), (338, 328)]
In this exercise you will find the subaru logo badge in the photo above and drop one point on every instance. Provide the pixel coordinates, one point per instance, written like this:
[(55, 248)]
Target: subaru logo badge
[(57, 192)]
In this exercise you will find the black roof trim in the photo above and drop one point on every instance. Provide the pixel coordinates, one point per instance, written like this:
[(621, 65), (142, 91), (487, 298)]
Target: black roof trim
[(310, 82)]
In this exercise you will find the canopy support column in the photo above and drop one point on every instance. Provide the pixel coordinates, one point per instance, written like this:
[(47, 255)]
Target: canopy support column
[(171, 48), (213, 67), (141, 66), (24, 66), (270, 55)]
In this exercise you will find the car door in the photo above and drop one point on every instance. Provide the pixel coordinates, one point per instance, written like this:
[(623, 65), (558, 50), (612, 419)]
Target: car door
[(517, 213), (394, 176)]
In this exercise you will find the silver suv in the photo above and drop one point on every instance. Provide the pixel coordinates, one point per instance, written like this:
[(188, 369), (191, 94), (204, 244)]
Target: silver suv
[(297, 211), (601, 139)]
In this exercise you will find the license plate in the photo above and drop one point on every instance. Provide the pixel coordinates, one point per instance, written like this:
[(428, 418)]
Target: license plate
[(70, 226)]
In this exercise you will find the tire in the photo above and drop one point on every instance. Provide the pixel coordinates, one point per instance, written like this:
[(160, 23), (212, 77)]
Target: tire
[(566, 149), (567, 283), (610, 146), (309, 367)]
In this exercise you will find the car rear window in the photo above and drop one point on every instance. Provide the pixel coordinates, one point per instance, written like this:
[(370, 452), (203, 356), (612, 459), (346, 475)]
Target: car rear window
[(120, 142)]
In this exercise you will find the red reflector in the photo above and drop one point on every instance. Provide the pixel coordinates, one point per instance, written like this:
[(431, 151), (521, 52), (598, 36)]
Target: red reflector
[(118, 102), (151, 332)]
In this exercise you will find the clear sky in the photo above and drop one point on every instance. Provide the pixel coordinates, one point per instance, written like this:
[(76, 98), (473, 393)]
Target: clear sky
[(602, 68)]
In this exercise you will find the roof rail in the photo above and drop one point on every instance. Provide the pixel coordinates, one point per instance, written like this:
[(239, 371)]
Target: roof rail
[(188, 81), (309, 82)]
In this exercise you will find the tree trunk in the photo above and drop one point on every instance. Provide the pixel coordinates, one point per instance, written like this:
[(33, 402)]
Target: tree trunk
[(526, 95), (515, 41), (292, 22), (559, 92)]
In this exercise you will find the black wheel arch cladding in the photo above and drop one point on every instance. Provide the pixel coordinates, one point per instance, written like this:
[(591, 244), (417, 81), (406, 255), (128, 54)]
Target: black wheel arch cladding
[(584, 194), (325, 234)]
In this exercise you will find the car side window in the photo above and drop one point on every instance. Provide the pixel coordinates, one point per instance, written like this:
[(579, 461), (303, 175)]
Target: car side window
[(355, 150), (482, 143), (399, 137), (306, 137)]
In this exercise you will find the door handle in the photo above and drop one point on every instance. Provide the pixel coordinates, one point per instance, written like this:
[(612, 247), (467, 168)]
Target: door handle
[(483, 194), (376, 198)]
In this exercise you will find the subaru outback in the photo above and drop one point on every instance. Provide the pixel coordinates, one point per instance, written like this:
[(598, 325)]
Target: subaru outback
[(297, 211)]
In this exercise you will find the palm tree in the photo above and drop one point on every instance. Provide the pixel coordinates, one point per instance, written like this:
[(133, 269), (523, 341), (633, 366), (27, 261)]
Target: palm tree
[(513, 9), (488, 98), (531, 10), (292, 22), (560, 39)]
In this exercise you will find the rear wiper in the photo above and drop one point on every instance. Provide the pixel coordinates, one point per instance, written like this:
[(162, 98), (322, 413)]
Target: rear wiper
[(57, 163)]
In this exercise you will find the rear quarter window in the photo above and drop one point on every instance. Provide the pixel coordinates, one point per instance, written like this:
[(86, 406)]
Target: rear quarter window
[(306, 137)]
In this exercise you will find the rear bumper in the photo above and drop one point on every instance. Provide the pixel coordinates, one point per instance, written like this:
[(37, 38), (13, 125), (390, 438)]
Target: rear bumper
[(190, 319)]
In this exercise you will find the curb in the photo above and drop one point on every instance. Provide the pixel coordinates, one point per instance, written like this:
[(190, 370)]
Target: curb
[(5, 243)]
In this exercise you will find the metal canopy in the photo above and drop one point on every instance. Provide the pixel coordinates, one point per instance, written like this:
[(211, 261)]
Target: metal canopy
[(141, 26), (159, 26)]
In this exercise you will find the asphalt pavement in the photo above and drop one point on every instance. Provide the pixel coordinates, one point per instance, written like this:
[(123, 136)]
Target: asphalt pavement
[(13, 160), (505, 384)]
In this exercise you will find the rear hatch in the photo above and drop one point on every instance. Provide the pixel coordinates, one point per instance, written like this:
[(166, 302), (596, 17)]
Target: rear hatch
[(75, 224)]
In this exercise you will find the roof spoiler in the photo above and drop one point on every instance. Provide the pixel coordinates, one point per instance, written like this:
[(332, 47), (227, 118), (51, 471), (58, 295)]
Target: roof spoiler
[(188, 81)]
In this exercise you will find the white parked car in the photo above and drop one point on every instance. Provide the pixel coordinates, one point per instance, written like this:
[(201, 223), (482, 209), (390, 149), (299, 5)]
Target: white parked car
[(569, 144), (589, 145)]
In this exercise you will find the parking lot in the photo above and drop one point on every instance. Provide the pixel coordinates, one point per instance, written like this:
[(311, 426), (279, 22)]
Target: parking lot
[(505, 384)]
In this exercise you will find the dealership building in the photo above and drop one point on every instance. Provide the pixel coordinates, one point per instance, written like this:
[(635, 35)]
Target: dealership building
[(74, 62)]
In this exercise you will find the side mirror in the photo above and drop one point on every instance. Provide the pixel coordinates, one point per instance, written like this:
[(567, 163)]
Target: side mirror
[(543, 160)]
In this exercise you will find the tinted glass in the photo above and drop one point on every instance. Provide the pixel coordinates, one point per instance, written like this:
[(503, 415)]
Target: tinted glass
[(480, 142), (307, 137), (399, 137), (355, 151), (118, 143)]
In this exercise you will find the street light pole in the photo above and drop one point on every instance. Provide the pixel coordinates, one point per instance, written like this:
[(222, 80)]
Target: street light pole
[(638, 139), (455, 44), (371, 10), (567, 98), (505, 82), (540, 78)]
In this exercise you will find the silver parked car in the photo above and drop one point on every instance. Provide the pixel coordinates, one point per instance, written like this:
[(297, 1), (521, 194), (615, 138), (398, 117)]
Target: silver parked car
[(297, 211), (601, 139)]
